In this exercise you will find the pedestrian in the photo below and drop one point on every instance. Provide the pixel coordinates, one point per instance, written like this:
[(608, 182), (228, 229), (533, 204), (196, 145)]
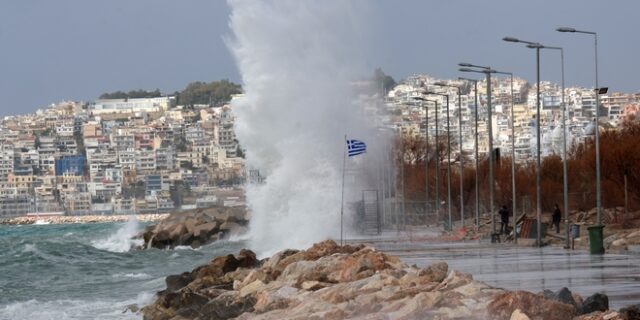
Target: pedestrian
[(504, 219), (556, 218)]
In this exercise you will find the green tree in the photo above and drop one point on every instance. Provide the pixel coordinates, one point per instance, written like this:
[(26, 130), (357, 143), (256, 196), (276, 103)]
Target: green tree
[(133, 94), (213, 93)]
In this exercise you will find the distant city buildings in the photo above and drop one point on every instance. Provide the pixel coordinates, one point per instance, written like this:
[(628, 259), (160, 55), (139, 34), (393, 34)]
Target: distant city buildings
[(117, 156), (407, 115)]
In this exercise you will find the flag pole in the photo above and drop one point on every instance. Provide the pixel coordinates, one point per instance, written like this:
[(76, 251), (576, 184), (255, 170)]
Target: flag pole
[(344, 162)]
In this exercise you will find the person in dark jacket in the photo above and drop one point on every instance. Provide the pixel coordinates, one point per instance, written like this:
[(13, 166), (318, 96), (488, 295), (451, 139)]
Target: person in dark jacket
[(504, 219), (556, 217)]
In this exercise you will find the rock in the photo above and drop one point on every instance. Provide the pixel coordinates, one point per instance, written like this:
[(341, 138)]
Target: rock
[(533, 305), (178, 281), (596, 302), (227, 306), (251, 288), (282, 298), (563, 295), (176, 232), (609, 240), (518, 315), (247, 259), (190, 225), (620, 245), (226, 263), (314, 285), (194, 228), (435, 272), (227, 226), (635, 234), (599, 315), (205, 229), (631, 312)]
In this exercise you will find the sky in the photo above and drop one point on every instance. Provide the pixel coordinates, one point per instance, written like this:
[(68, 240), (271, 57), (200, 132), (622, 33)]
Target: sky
[(77, 49)]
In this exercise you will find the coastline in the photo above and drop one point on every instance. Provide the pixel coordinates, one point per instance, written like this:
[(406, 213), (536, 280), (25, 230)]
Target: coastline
[(24, 220)]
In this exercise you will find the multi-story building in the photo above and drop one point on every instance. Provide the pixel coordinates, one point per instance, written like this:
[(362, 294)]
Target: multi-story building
[(104, 106)]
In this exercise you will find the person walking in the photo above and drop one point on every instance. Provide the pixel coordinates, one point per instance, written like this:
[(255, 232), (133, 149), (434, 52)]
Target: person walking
[(557, 214), (504, 219)]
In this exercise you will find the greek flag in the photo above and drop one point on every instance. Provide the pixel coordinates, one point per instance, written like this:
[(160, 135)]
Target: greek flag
[(356, 147)]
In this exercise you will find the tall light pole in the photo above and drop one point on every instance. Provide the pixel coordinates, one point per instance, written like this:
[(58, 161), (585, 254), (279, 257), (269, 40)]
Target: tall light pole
[(446, 96), (565, 176), (487, 71), (460, 148), (537, 46), (426, 151), (475, 90), (597, 133), (513, 161)]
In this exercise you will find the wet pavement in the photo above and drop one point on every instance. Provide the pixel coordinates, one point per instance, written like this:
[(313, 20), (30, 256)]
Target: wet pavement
[(526, 268)]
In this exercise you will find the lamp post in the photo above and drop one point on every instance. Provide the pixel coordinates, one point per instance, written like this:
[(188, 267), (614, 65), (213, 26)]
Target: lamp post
[(537, 46), (487, 71), (513, 160), (460, 148), (538, 191), (597, 133), (426, 151), (446, 96), (475, 84)]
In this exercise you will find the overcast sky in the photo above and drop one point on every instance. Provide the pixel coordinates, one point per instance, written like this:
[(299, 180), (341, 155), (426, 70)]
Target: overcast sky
[(78, 49)]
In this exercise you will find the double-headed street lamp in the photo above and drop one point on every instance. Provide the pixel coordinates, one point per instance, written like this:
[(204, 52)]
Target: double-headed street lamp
[(460, 147), (538, 46), (487, 71), (426, 150), (597, 133), (475, 84), (446, 96)]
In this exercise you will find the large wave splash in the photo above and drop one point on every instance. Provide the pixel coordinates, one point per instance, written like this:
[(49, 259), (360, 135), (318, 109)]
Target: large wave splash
[(298, 61), (123, 239)]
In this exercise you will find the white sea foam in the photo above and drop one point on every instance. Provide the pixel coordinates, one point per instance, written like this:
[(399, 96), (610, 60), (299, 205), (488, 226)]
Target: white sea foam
[(30, 247), (298, 61), (132, 275), (121, 240), (74, 309), (185, 248)]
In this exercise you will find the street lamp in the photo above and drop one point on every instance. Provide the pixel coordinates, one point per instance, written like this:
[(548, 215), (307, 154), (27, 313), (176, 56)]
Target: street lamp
[(565, 176), (426, 152), (537, 46), (513, 162), (475, 84), (487, 71), (440, 84), (597, 133), (446, 96)]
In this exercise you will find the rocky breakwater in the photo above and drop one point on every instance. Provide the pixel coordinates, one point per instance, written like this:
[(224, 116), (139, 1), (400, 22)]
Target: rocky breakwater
[(329, 281), (34, 219), (196, 227)]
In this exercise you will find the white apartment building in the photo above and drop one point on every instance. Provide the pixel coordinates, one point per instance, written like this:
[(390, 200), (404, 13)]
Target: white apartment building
[(103, 106), (6, 160)]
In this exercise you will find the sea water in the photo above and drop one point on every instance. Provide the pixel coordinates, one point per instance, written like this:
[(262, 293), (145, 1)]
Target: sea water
[(87, 271)]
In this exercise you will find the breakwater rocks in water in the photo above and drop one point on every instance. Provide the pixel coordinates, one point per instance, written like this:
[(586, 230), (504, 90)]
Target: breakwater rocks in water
[(329, 281), (196, 227), (81, 219)]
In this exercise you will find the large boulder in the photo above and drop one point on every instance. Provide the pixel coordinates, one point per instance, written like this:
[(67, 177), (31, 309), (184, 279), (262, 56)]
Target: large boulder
[(533, 305), (631, 312), (563, 295), (596, 302), (195, 228)]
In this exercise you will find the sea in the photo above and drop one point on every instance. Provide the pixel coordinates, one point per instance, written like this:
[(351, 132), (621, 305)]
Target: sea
[(88, 271)]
